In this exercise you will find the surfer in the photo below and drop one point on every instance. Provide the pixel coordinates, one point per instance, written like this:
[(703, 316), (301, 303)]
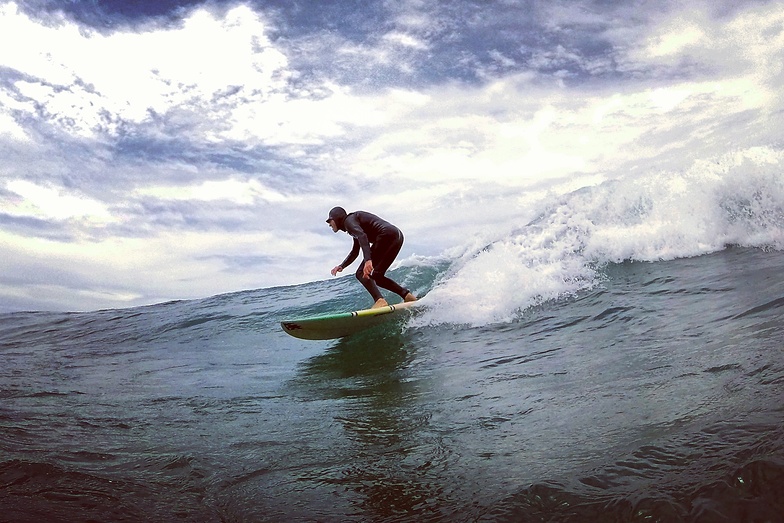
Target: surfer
[(380, 242)]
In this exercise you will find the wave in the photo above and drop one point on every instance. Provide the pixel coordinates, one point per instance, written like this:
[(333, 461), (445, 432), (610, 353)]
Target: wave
[(736, 199)]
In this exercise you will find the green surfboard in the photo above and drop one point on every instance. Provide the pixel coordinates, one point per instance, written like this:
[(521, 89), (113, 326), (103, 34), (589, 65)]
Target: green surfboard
[(333, 326)]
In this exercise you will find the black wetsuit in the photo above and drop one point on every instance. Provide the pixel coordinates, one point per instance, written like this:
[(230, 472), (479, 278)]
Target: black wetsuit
[(380, 241)]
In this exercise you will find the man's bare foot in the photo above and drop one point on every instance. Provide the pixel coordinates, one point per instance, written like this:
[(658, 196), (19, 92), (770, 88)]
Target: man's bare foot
[(381, 302), (410, 297)]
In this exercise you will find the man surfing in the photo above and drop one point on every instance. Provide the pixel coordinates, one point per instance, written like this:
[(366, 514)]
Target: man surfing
[(380, 242)]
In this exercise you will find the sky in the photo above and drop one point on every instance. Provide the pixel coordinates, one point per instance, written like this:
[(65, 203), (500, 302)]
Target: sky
[(161, 150)]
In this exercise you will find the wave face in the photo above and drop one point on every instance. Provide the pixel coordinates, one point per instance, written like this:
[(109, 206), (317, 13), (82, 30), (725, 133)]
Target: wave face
[(618, 358)]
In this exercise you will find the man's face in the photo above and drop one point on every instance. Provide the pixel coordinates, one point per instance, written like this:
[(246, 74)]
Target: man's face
[(333, 225)]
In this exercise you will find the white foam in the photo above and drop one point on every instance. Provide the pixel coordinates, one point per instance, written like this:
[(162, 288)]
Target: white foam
[(736, 199)]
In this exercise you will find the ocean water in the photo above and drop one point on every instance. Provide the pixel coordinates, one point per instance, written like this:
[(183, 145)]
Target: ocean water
[(615, 355)]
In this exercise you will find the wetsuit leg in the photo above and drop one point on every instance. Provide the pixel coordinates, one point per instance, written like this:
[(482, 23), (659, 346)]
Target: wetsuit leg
[(384, 251), (368, 283)]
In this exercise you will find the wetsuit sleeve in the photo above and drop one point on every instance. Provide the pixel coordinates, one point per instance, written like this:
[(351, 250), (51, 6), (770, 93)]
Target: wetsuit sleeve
[(360, 238), (352, 255)]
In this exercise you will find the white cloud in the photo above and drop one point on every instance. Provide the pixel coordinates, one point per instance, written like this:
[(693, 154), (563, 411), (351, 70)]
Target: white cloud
[(675, 40), (120, 272), (405, 40), (749, 42), (92, 80), (282, 121), (55, 203), (462, 134), (9, 128), (236, 191)]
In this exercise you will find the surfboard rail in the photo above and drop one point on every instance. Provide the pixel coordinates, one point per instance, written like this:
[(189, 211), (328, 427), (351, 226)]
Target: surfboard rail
[(332, 326)]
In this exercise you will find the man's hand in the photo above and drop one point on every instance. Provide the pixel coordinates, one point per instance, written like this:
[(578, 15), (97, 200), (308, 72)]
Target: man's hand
[(337, 269), (367, 270)]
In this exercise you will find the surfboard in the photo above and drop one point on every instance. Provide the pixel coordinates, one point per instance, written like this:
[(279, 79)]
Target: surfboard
[(333, 326)]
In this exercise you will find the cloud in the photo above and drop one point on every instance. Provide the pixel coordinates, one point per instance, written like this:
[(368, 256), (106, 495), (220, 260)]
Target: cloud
[(9, 128), (680, 37), (52, 203), (236, 191), (91, 83)]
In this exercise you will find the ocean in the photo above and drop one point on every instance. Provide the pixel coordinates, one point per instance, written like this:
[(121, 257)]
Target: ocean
[(616, 354)]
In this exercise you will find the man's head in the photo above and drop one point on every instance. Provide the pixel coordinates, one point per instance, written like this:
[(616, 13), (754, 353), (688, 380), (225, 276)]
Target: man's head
[(336, 218)]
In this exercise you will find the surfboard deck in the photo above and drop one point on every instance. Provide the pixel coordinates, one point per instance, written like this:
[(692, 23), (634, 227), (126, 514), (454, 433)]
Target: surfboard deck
[(332, 326)]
